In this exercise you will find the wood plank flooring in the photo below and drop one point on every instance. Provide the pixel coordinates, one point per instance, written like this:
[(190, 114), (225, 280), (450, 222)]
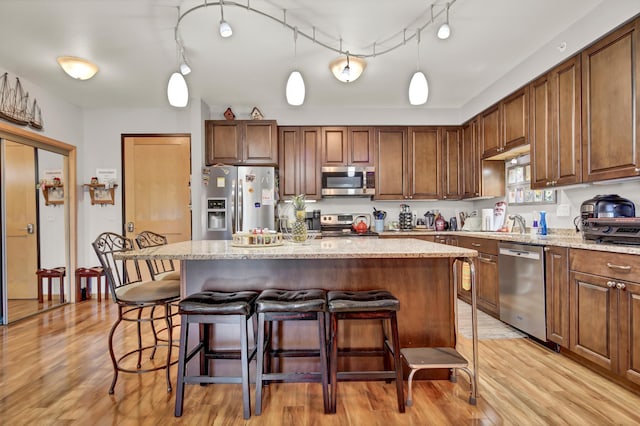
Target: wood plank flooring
[(55, 369)]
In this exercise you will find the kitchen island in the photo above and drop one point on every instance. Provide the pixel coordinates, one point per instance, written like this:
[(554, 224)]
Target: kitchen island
[(418, 273)]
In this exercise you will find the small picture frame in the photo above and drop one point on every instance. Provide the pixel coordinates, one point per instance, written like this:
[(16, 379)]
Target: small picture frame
[(102, 194)]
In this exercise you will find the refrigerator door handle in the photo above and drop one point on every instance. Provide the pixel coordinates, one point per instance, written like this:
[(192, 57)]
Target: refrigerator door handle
[(239, 211)]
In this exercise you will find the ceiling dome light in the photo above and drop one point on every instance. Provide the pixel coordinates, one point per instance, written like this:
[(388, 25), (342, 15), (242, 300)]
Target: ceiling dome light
[(295, 89), (225, 29), (177, 91), (418, 89), (347, 68), (78, 68)]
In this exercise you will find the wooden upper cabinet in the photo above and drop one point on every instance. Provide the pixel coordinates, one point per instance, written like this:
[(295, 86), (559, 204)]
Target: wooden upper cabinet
[(490, 134), (451, 163), (505, 125), (424, 168), (391, 153), (514, 110), (299, 161), (555, 102), (469, 170), (347, 146), (611, 105), (239, 142)]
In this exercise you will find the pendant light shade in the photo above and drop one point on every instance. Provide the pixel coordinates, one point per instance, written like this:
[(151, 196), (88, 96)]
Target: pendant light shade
[(418, 89), (225, 29), (295, 89), (177, 91), (347, 68), (444, 31)]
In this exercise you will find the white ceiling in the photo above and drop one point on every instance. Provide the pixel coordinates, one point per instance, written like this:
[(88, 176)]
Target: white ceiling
[(132, 41)]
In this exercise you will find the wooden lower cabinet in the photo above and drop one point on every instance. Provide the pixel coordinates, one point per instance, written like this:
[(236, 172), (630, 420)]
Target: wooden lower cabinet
[(557, 294), (486, 264), (605, 311)]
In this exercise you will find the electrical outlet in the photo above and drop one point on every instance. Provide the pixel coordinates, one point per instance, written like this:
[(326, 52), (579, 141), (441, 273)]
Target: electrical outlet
[(563, 210)]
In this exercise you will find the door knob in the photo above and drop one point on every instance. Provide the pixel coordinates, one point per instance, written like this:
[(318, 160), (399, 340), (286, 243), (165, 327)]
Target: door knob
[(29, 228), (130, 227)]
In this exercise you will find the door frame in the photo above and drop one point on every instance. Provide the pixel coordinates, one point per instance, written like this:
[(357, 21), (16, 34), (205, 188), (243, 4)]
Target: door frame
[(16, 134)]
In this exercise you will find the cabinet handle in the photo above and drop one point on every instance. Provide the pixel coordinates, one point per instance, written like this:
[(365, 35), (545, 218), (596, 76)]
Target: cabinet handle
[(611, 284), (620, 267), (476, 244), (620, 286)]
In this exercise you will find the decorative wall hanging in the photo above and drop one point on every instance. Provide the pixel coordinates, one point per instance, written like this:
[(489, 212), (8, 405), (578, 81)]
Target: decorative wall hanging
[(15, 106)]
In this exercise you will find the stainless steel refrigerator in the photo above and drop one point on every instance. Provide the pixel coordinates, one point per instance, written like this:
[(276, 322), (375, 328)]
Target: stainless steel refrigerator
[(237, 199)]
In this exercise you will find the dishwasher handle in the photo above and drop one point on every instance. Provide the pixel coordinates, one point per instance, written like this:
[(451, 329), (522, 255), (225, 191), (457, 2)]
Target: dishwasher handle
[(524, 254)]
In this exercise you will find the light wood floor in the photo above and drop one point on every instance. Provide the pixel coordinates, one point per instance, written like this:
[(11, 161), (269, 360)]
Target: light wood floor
[(55, 369)]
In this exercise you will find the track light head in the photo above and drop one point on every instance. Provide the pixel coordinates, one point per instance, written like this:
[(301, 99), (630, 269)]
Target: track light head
[(184, 68), (225, 29)]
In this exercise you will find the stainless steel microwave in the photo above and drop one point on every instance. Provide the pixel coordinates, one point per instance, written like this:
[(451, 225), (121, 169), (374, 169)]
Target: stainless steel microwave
[(348, 180)]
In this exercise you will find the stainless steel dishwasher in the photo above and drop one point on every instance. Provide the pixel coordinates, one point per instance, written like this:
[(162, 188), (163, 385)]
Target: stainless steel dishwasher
[(522, 289)]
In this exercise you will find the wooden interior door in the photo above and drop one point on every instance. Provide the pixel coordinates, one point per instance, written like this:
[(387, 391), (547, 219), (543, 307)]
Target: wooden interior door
[(21, 220), (156, 185)]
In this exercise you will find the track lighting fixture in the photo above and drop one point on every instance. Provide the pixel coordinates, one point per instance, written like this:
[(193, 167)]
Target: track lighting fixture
[(445, 30), (418, 87), (346, 68), (225, 28), (295, 90)]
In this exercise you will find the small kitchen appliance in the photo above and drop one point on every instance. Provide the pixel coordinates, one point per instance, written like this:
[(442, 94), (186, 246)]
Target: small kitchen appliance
[(405, 219), (607, 206)]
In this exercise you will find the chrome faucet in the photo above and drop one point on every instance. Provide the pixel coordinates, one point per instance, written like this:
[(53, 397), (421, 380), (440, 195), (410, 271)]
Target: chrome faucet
[(521, 222)]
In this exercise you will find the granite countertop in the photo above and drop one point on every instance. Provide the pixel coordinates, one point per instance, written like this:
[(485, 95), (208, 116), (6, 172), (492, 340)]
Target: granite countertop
[(329, 248), (563, 238)]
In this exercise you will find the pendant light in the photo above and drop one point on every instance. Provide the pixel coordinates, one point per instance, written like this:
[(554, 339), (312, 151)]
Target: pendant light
[(225, 28), (177, 91), (445, 30), (295, 91), (347, 69), (418, 87), (78, 68)]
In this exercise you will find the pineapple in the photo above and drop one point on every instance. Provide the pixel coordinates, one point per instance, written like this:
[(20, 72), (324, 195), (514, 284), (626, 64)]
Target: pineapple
[(299, 228)]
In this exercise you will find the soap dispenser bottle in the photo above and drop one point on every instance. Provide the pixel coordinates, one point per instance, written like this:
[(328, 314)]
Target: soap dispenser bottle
[(542, 228)]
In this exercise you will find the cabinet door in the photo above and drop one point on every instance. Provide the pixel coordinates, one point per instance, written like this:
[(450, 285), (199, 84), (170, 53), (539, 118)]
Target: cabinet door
[(542, 160), (490, 135), (424, 156), (629, 314), (391, 160), (515, 119), (566, 98), (611, 106), (260, 140), (310, 180), (360, 146), (224, 142), (470, 160), (557, 294), (288, 161), (451, 163), (488, 290), (299, 164), (593, 319), (334, 146)]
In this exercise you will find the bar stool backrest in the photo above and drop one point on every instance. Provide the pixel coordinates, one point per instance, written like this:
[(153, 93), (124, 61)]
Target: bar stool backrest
[(119, 273), (147, 239)]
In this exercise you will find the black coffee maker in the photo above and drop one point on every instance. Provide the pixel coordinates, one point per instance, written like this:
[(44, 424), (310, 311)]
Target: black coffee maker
[(313, 220)]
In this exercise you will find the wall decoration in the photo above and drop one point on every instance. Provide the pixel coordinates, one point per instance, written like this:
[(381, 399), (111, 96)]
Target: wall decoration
[(15, 105)]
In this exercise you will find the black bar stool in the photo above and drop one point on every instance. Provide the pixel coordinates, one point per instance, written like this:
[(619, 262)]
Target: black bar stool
[(207, 308), (290, 305), (365, 305)]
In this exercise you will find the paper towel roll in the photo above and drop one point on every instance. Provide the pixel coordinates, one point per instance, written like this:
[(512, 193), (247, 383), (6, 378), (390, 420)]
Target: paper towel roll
[(487, 219)]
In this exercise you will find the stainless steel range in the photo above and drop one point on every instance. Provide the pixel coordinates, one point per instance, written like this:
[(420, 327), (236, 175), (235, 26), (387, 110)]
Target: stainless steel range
[(342, 225)]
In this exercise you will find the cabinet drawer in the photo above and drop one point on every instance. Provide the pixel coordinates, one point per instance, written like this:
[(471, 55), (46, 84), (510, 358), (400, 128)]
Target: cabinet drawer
[(480, 244), (614, 265)]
